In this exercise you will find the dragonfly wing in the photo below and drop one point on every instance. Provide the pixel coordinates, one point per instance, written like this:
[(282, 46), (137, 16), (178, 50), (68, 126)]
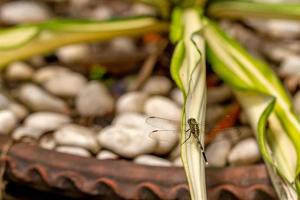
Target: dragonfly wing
[(164, 135), (161, 123)]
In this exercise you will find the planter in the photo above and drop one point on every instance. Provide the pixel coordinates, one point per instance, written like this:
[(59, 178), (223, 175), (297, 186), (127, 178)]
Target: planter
[(75, 176)]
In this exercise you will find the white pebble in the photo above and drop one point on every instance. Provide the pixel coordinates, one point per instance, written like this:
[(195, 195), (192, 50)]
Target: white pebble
[(48, 72), (19, 110), (47, 142), (135, 120), (131, 102), (123, 44), (67, 84), (76, 135), (217, 152), (39, 100), (27, 132), (126, 141), (46, 121), (73, 53), (245, 152), (158, 85), (8, 121), (163, 107), (4, 101), (152, 161), (101, 12), (94, 100), (74, 151), (19, 71), (166, 140), (105, 154), (290, 66), (142, 9), (177, 96), (15, 12), (178, 162), (276, 28)]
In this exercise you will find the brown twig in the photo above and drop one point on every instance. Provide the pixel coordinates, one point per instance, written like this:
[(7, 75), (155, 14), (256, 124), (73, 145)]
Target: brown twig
[(148, 65)]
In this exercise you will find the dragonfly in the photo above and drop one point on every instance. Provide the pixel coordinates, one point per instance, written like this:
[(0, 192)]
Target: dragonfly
[(165, 127)]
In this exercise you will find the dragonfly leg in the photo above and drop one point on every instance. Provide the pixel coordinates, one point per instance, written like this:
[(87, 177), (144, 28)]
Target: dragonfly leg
[(187, 137), (187, 130)]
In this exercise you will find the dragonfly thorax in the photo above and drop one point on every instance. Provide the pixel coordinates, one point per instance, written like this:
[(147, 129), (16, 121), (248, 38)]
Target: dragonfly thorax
[(192, 122)]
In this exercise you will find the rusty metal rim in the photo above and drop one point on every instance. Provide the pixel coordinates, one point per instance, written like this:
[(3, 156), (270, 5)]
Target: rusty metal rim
[(50, 170)]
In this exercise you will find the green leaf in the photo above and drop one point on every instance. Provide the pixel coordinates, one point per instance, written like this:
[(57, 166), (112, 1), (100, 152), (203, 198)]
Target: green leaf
[(57, 33), (247, 74), (15, 37), (188, 71), (241, 8)]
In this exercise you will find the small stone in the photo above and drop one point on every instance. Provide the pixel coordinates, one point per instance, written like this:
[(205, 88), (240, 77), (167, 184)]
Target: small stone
[(219, 94), (46, 121), (101, 13), (217, 152), (165, 140), (19, 71), (67, 84), (38, 100), (245, 152), (177, 96), (94, 100), (158, 85), (8, 121), (159, 106), (276, 28), (73, 53), (178, 162), (48, 72), (105, 154), (4, 101), (75, 135), (27, 132), (80, 3), (290, 66), (47, 142), (131, 102), (135, 120), (142, 9), (123, 44), (74, 151), (19, 110), (128, 142), (15, 12), (152, 161), (276, 52)]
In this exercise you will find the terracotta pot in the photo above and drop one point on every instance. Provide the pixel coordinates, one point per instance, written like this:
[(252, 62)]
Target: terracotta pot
[(119, 179)]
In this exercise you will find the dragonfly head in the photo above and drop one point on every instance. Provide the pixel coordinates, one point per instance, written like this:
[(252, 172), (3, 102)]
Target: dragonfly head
[(192, 121)]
